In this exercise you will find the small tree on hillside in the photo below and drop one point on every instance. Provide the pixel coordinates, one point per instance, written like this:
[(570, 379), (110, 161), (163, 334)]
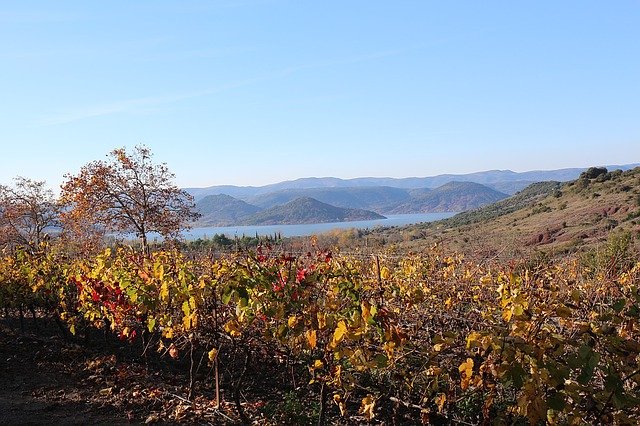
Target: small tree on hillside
[(27, 211), (128, 193)]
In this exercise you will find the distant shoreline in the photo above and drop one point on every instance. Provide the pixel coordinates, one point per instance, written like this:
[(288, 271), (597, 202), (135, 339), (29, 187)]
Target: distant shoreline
[(300, 230)]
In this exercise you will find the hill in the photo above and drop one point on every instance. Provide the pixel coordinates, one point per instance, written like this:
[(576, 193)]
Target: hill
[(377, 198), (223, 210), (308, 210), (510, 187), (549, 216), (451, 197)]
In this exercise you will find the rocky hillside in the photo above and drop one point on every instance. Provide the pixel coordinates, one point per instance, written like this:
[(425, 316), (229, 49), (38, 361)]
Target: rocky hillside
[(547, 216)]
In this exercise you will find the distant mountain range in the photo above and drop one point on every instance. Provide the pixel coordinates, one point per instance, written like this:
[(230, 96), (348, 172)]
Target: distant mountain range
[(289, 206), (317, 200), (505, 181)]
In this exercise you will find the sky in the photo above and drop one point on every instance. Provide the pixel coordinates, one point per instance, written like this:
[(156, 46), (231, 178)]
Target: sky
[(252, 92)]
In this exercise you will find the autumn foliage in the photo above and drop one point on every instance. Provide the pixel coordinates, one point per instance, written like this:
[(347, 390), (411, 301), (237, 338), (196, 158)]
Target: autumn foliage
[(126, 194), (429, 337)]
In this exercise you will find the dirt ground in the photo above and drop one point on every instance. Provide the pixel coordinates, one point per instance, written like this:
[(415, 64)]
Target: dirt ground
[(46, 379)]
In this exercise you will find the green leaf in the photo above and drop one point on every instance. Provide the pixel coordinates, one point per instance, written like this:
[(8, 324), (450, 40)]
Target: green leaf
[(517, 375), (226, 295), (244, 296), (619, 305), (151, 324), (556, 401), (587, 371), (612, 382), (558, 373), (585, 352), (381, 361)]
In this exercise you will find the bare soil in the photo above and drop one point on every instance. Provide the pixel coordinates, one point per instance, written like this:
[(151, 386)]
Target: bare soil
[(48, 379)]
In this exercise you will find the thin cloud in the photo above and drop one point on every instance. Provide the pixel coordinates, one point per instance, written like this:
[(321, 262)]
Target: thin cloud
[(137, 104), (134, 104)]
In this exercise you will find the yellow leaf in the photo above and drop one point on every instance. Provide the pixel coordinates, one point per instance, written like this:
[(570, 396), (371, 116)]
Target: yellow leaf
[(212, 354), (385, 274), (151, 324), (388, 348), (433, 371), (318, 364), (164, 291), (439, 346), (233, 328), (322, 320), (337, 380), (466, 371), (292, 321), (440, 400), (466, 367), (339, 333), (338, 400), (367, 407), (185, 308), (187, 321), (311, 338), (365, 306), (473, 337), (106, 391), (506, 314)]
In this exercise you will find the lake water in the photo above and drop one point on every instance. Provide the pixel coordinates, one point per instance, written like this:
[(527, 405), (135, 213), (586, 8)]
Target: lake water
[(313, 228)]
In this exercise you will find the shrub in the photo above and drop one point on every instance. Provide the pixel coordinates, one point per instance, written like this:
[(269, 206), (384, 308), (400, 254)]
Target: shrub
[(593, 172)]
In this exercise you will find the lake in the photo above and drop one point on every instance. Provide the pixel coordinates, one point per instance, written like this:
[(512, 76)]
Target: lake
[(313, 228)]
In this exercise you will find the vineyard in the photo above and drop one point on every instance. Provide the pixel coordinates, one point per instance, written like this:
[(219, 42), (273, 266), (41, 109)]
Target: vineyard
[(351, 338)]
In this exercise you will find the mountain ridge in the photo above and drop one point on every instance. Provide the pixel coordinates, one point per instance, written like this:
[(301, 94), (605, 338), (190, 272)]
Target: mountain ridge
[(487, 177), (308, 210), (224, 210)]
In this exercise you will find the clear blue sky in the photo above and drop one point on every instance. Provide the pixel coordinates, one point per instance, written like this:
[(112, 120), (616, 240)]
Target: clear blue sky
[(258, 91)]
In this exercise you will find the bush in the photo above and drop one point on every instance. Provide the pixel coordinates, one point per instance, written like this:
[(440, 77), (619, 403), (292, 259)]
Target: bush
[(614, 257), (593, 172)]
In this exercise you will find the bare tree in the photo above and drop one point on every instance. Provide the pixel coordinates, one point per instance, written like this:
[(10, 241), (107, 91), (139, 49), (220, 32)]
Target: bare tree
[(128, 193), (27, 211)]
